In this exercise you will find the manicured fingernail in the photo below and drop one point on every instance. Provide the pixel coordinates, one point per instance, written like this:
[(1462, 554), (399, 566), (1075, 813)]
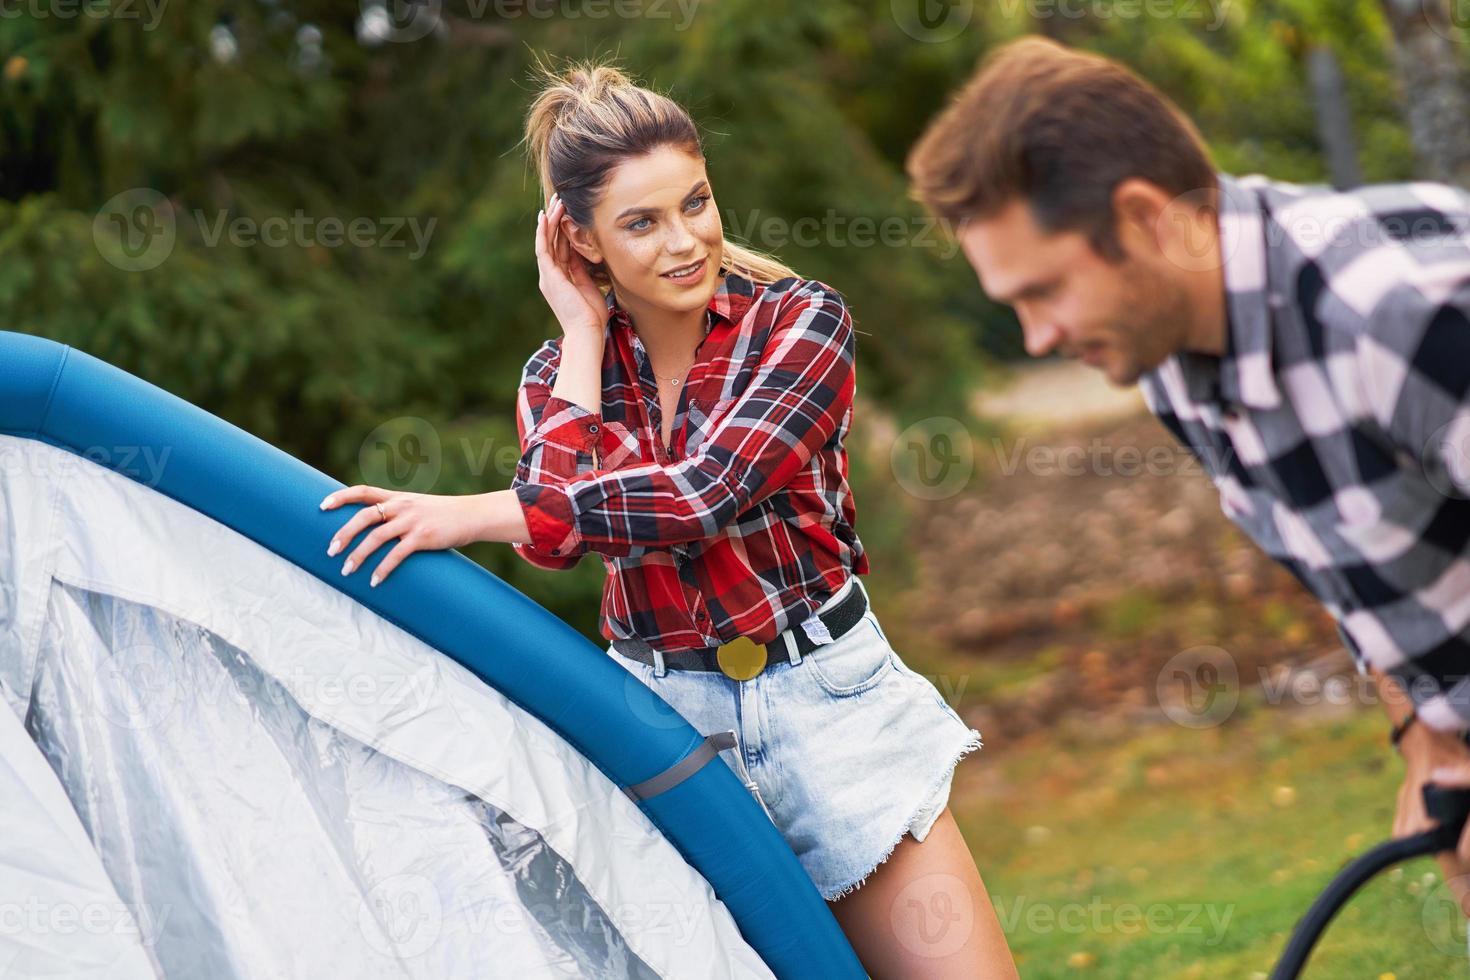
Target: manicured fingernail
[(375, 580), (325, 502), (336, 547), (347, 568)]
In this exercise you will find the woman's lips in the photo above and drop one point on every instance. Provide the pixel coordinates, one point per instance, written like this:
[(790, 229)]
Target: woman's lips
[(692, 276)]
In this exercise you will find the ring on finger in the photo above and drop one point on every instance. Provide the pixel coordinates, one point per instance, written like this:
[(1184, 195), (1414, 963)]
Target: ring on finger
[(381, 513)]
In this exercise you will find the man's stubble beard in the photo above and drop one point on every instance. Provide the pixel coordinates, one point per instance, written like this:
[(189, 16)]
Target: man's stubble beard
[(1157, 317)]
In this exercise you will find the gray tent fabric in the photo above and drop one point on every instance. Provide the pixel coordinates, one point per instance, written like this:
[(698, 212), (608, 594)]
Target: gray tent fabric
[(216, 765)]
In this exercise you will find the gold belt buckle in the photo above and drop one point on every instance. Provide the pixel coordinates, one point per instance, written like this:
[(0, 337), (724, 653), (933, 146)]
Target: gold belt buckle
[(742, 658)]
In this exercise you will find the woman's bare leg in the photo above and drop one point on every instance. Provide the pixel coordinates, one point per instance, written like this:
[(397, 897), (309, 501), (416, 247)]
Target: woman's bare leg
[(924, 912)]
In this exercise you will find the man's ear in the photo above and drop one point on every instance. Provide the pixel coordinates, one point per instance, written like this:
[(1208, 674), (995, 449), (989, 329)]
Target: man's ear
[(1182, 228), (582, 240), (1138, 205)]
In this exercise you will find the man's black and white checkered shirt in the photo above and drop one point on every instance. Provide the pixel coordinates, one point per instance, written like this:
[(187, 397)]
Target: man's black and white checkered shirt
[(1336, 424)]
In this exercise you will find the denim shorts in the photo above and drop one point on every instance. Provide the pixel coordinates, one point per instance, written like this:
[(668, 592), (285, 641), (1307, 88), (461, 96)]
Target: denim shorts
[(846, 748)]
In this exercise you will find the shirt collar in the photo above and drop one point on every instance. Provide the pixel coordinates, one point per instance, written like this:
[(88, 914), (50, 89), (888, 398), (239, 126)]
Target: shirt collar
[(1243, 373), (731, 301)]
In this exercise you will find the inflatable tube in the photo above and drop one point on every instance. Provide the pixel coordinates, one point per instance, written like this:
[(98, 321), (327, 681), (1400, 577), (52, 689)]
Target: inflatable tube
[(66, 398)]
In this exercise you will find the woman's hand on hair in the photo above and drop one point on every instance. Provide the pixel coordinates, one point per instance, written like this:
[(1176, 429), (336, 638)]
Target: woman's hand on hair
[(566, 281)]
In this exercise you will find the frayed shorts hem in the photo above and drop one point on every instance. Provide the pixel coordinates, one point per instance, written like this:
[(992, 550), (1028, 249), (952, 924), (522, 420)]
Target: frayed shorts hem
[(920, 822)]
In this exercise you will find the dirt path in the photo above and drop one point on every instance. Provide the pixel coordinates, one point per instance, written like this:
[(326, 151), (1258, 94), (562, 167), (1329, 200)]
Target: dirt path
[(1093, 551), (1048, 394)]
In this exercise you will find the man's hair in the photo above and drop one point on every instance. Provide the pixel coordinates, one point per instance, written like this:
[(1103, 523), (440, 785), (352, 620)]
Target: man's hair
[(1059, 129)]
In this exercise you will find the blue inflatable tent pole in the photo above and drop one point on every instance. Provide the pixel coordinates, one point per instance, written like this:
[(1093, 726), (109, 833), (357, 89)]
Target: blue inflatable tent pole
[(67, 398)]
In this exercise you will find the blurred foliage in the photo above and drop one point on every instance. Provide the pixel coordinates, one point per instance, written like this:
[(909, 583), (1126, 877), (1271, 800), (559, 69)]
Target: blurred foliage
[(260, 109)]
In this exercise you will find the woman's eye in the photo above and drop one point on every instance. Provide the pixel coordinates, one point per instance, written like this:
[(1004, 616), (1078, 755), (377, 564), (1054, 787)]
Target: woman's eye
[(693, 204)]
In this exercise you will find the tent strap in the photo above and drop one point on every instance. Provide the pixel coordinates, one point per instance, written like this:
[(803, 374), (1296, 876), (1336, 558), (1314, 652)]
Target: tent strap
[(683, 769)]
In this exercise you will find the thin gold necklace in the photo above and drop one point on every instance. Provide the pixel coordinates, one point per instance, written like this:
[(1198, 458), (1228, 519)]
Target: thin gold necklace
[(677, 381)]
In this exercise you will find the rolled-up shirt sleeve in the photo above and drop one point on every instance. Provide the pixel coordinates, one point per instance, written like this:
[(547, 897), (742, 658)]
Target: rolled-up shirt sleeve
[(560, 441), (794, 403)]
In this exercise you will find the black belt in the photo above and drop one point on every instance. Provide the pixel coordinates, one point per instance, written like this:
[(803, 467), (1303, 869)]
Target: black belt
[(838, 620)]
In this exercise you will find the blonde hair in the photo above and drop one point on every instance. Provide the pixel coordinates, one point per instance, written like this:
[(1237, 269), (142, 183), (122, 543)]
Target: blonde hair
[(590, 117)]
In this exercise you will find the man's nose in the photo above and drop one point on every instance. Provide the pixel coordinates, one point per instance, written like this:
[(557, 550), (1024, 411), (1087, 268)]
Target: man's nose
[(1041, 336)]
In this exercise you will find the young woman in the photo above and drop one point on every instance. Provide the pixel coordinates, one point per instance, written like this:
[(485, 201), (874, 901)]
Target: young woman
[(688, 426)]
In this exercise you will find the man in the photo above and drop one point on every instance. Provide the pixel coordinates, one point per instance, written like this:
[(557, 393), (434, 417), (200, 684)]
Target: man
[(1311, 347)]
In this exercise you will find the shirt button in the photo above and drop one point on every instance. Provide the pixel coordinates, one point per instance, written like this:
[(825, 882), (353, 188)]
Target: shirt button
[(700, 616), (592, 428), (556, 551)]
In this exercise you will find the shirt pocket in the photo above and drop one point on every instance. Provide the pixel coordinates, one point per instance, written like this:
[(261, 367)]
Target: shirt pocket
[(704, 416)]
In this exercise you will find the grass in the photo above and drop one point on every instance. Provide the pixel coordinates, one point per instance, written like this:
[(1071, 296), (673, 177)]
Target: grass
[(1189, 853)]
